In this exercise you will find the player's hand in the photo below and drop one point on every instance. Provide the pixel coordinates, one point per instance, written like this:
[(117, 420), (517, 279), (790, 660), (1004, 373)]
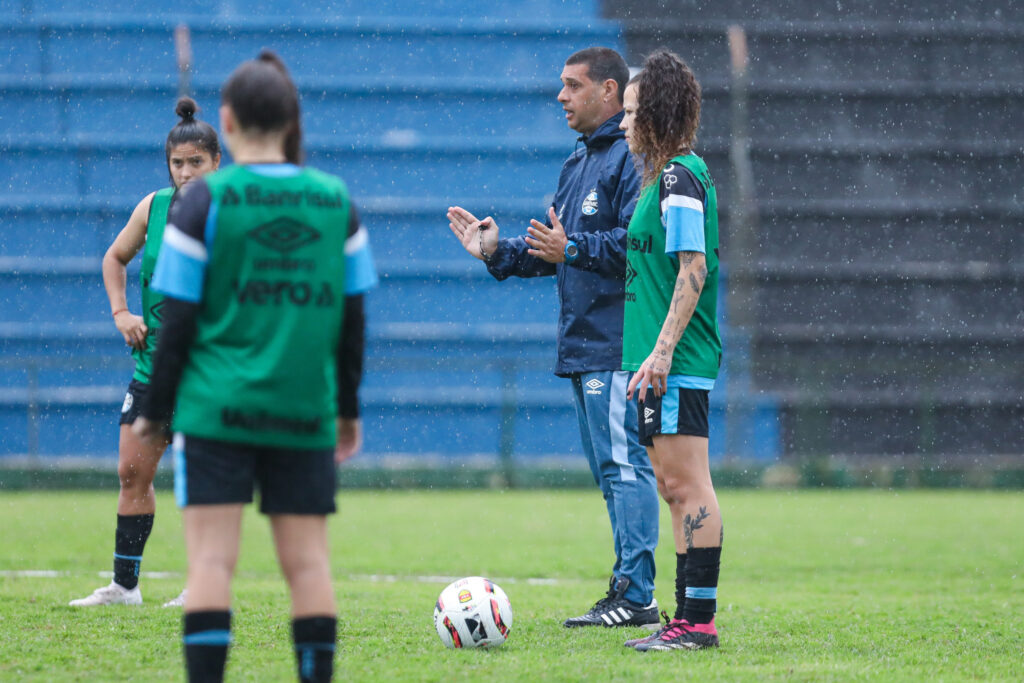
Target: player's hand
[(475, 235), (547, 244), (652, 374), (149, 432), (350, 438), (132, 328)]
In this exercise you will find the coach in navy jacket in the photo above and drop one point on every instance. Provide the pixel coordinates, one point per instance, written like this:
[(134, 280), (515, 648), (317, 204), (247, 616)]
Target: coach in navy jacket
[(583, 244), (596, 194)]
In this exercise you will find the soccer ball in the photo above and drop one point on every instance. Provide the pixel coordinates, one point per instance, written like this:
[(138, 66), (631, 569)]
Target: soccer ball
[(473, 612)]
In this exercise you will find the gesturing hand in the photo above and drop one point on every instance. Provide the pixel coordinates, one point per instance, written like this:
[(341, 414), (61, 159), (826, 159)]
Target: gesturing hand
[(547, 244), (477, 236)]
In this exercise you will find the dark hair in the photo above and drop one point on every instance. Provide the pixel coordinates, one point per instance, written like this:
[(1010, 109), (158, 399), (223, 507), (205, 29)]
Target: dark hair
[(602, 63), (667, 112), (263, 97), (189, 130)]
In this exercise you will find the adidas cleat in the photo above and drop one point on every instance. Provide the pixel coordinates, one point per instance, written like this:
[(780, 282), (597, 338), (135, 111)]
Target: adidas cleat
[(615, 610), (682, 635), (114, 594)]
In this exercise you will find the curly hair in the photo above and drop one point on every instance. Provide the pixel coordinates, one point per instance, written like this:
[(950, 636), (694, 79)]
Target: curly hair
[(667, 114)]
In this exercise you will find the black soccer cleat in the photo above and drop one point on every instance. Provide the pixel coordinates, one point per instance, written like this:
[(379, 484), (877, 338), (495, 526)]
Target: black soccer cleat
[(615, 610)]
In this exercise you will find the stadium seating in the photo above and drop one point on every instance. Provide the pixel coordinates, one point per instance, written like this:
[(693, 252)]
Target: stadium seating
[(887, 166), (418, 106)]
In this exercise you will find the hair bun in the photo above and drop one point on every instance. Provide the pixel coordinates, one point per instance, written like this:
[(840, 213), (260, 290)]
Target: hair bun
[(186, 108)]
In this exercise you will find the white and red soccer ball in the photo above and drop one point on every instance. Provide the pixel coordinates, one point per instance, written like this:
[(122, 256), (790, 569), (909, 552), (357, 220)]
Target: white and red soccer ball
[(473, 612)]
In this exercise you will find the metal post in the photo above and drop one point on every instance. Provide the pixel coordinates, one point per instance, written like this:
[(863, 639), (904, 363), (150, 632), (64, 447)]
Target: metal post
[(183, 51), (507, 442), (741, 255)]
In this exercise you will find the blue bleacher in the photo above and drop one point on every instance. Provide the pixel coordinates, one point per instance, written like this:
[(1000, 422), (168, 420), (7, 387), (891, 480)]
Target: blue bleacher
[(418, 106)]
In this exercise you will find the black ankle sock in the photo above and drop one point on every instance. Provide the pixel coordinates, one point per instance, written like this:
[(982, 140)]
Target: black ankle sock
[(206, 640), (680, 585), (702, 584), (314, 639), (129, 542)]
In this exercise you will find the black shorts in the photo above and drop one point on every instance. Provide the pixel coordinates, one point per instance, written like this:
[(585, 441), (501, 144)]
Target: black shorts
[(132, 405), (291, 481), (679, 411)]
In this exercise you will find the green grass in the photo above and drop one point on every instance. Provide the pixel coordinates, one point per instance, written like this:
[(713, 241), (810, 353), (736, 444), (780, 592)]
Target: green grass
[(815, 586)]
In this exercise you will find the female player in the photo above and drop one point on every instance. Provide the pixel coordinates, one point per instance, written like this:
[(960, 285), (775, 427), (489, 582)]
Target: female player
[(671, 334), (192, 149), (263, 269)]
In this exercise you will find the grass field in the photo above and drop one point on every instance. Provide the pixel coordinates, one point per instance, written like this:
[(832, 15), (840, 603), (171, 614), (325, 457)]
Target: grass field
[(850, 585)]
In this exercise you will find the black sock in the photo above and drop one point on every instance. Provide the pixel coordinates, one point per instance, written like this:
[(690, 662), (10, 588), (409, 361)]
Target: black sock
[(206, 640), (702, 584), (314, 639), (129, 541), (680, 585)]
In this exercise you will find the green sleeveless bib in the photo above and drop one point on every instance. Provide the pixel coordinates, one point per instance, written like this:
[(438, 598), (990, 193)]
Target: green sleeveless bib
[(151, 300), (261, 369), (651, 278)]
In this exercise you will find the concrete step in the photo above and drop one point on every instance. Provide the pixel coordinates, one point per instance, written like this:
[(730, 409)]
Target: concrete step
[(451, 169), (800, 11), (287, 10), (399, 109), (822, 358), (442, 46), (959, 422)]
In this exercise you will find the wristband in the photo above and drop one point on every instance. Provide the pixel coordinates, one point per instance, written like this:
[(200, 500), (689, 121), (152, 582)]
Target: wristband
[(120, 310)]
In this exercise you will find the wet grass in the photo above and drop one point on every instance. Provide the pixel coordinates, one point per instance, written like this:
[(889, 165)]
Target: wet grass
[(838, 585)]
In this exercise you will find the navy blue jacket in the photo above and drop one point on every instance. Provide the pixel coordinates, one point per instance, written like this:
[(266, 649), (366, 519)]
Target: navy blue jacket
[(596, 195)]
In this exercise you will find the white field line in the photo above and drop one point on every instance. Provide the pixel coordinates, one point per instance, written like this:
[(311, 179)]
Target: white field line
[(368, 578)]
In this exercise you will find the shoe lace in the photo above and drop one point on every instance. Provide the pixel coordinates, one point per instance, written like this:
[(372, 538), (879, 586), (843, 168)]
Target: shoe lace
[(674, 629), (604, 602)]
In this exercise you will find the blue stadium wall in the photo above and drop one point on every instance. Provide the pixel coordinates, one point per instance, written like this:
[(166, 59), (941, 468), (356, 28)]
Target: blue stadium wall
[(418, 107)]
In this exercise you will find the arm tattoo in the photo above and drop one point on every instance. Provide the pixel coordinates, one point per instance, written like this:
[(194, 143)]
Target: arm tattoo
[(691, 524), (694, 284), (686, 257)]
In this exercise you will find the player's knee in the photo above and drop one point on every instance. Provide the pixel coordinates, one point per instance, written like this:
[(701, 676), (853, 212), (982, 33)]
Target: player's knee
[(128, 474), (214, 564), (679, 489), (305, 567)]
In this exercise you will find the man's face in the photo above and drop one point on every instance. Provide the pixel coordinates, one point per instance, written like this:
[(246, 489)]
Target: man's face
[(582, 99)]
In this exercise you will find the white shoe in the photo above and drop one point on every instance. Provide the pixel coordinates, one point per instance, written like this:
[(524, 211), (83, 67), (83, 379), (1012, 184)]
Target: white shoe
[(114, 594), (178, 601)]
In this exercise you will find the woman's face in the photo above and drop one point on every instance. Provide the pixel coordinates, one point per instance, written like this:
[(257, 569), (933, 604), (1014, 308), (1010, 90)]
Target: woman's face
[(629, 116), (188, 162)]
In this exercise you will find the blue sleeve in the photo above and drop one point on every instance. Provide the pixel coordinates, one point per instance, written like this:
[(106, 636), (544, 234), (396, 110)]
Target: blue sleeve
[(181, 266), (682, 210), (360, 271), (604, 252), (510, 258)]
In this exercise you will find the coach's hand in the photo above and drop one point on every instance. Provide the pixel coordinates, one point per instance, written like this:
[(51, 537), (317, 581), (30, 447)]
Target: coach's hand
[(547, 244), (478, 237), (350, 438)]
